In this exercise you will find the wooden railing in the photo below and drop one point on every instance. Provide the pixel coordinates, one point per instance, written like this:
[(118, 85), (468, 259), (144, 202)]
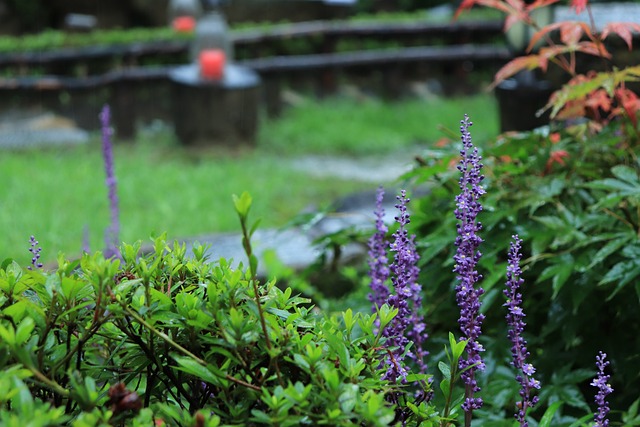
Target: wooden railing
[(457, 51)]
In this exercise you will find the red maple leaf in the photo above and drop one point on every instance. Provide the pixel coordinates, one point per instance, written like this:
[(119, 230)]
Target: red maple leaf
[(579, 5), (630, 103)]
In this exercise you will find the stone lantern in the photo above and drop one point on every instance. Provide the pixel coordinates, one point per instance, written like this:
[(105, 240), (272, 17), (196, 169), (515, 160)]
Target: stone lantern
[(215, 101), (183, 8), (212, 32)]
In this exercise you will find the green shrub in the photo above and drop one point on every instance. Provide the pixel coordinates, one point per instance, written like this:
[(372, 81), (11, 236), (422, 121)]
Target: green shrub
[(97, 340)]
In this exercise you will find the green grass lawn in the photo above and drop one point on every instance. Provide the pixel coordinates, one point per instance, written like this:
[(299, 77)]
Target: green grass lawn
[(55, 194), (371, 126)]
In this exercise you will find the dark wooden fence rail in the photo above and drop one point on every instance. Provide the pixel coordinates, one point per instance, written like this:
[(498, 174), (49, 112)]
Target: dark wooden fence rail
[(131, 90), (258, 41)]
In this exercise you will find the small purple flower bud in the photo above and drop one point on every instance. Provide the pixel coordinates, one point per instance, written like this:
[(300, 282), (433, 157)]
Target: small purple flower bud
[(604, 389), (35, 251)]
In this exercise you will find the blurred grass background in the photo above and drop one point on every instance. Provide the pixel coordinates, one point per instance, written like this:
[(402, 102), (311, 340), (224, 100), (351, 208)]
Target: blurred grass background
[(57, 193)]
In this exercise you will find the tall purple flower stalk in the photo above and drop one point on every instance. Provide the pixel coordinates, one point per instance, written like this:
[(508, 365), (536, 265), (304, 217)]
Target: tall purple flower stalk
[(604, 389), (378, 262), (405, 270), (406, 297), (516, 324), (113, 231), (407, 324), (35, 251), (466, 258)]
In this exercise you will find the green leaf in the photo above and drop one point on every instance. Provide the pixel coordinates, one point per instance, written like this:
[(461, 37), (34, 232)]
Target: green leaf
[(452, 342), (194, 368), (458, 349), (5, 263), (349, 320), (622, 273), (23, 401), (386, 314), (631, 414), (23, 332), (611, 184), (444, 368), (546, 419), (7, 334), (581, 422), (242, 204), (625, 173), (254, 227), (611, 247), (445, 386), (348, 398), (552, 222), (253, 264), (559, 272), (632, 251)]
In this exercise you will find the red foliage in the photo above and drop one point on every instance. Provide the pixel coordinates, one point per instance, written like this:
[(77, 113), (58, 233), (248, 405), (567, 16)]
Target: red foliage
[(579, 5), (622, 29), (557, 156), (598, 97)]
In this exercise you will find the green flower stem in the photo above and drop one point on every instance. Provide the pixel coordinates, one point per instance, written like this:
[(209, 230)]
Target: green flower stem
[(246, 244)]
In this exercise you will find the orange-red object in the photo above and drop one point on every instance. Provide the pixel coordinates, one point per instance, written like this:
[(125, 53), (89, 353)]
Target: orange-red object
[(212, 63), (184, 24)]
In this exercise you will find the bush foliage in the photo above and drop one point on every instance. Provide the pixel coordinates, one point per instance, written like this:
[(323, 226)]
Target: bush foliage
[(98, 340)]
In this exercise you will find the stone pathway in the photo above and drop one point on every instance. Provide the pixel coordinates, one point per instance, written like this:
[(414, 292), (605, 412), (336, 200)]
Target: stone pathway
[(21, 129), (365, 169)]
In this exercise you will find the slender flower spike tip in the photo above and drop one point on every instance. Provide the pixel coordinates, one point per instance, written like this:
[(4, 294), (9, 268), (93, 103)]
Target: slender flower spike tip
[(35, 251), (604, 389), (515, 320), (466, 258), (378, 262), (112, 232)]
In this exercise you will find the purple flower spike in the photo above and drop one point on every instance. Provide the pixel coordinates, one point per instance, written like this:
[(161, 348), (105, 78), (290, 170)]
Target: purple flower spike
[(35, 251), (516, 324), (113, 231), (378, 262), (406, 325), (604, 389), (466, 258), (406, 271)]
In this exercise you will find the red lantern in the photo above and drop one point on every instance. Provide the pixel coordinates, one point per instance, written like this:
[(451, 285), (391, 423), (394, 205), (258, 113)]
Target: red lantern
[(184, 24), (212, 63)]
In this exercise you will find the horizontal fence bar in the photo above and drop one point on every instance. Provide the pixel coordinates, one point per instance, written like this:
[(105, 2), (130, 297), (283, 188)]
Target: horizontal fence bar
[(275, 65), (329, 29)]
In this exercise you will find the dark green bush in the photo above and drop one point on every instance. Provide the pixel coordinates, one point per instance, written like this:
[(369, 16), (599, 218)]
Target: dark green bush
[(576, 205)]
